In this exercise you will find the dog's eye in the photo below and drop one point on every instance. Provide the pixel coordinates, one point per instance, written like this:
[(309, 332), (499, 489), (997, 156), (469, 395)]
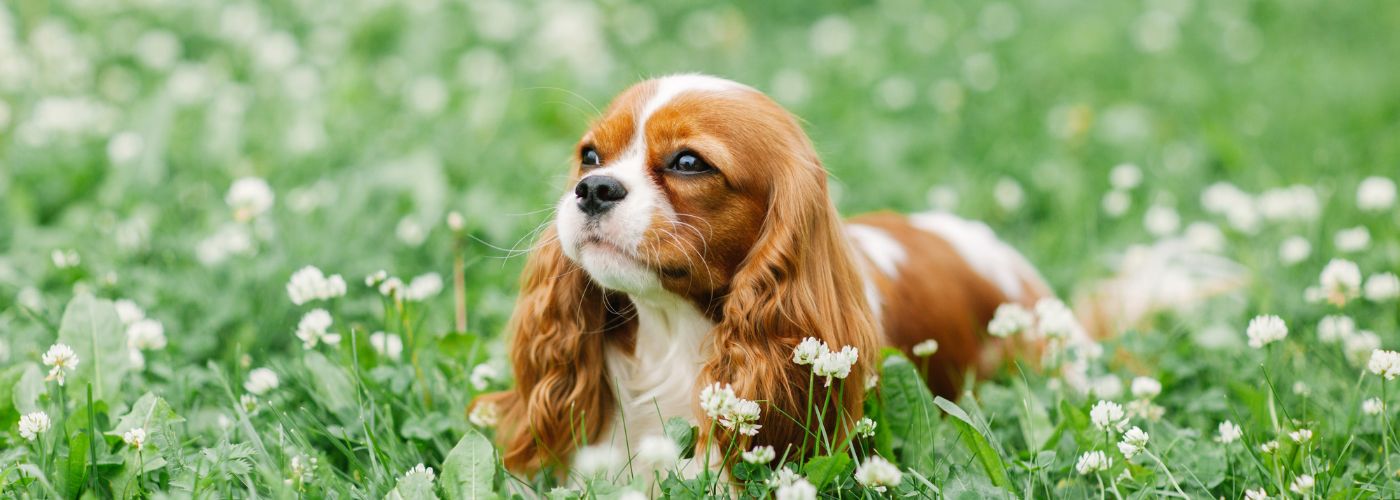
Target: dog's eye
[(689, 163), (589, 156)]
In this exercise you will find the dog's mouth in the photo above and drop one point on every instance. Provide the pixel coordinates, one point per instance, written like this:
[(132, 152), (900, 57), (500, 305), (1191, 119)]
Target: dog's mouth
[(604, 248)]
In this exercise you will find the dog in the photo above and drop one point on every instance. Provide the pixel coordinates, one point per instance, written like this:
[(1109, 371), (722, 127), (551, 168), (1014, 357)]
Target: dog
[(697, 243)]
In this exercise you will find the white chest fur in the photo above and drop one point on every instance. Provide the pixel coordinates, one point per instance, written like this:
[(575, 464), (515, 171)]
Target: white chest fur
[(658, 379)]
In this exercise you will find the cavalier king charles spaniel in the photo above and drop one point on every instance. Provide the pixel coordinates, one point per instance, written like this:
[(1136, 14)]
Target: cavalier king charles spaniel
[(697, 243)]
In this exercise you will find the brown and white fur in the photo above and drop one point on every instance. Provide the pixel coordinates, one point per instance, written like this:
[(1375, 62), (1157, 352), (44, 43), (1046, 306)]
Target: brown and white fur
[(693, 277)]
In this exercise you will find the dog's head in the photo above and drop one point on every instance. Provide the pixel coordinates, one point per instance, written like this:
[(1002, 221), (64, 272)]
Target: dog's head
[(695, 187)]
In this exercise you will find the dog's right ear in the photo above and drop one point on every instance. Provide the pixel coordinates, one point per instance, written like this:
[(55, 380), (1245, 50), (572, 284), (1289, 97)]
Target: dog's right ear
[(560, 398)]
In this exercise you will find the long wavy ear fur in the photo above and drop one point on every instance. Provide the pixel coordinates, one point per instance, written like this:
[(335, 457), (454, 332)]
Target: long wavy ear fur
[(799, 280), (559, 329)]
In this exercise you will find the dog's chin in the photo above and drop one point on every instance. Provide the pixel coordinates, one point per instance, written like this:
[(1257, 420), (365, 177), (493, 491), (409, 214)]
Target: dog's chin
[(615, 270)]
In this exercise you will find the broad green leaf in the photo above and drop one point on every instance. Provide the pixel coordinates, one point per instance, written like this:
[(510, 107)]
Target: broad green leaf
[(75, 469), (1036, 428), (153, 414), (680, 431), (909, 414), (332, 384), (469, 470), (91, 327), (29, 389), (126, 484), (821, 470), (976, 437)]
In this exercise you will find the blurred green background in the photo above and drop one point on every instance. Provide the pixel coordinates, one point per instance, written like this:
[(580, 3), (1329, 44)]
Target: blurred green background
[(124, 123)]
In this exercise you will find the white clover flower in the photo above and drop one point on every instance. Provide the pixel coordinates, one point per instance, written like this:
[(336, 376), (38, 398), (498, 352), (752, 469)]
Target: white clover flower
[(798, 489), (375, 278), (31, 425), (1116, 203), (872, 380), (302, 468), (1134, 441), (1382, 287), (729, 410), (1341, 281), (1107, 386), (1108, 415), (877, 474), (1301, 388), (1335, 328), (422, 472), (313, 329), (61, 359), (389, 345), (1125, 176), (1259, 494), (1385, 363), (1359, 346), (1146, 387), (835, 364), (1352, 240), (1301, 435), (128, 311), (135, 438), (484, 415), (1293, 250), (865, 427), (1375, 194), (261, 381), (1056, 320), (1091, 462), (64, 259), (1373, 406), (1145, 409), (1161, 220), (249, 197), (249, 404), (1265, 329), (1010, 319), (760, 455), (423, 287), (1008, 194), (597, 459), (808, 351), (410, 232), (392, 287), (145, 334), (1205, 236), (309, 284), (1269, 446), (658, 452), (926, 348), (482, 375), (1302, 484), (456, 222)]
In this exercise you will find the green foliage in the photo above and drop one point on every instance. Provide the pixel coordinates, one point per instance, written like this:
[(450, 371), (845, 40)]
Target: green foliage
[(469, 471), (91, 327), (976, 437)]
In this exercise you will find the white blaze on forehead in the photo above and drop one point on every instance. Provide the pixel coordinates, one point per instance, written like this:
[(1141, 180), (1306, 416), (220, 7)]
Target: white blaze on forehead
[(881, 248), (979, 247), (667, 88)]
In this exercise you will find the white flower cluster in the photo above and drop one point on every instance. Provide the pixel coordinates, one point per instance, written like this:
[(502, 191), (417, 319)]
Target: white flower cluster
[(760, 455), (389, 345), (1229, 432), (926, 348), (60, 359), (1144, 389), (825, 362), (421, 472), (1134, 442), (1385, 363), (249, 197), (142, 333), (1010, 319), (484, 415), (1339, 282), (31, 425), (420, 288), (1382, 287), (1264, 330), (314, 328), (1093, 461), (878, 474), (261, 381), (1375, 194), (1108, 415), (729, 410), (135, 438), (309, 284), (482, 375), (865, 427)]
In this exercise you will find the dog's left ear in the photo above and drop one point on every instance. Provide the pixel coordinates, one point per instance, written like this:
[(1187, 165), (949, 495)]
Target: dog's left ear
[(799, 280)]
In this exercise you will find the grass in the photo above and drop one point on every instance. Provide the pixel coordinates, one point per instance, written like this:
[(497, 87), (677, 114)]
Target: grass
[(122, 128)]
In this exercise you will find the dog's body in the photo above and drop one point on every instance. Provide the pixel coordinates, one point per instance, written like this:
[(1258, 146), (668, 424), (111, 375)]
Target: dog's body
[(698, 244)]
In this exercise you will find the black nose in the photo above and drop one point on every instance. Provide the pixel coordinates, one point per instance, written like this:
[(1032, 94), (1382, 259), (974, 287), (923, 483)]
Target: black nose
[(598, 193)]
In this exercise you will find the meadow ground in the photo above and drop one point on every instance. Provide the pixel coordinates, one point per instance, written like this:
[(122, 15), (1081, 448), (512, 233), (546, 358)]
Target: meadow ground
[(167, 166)]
